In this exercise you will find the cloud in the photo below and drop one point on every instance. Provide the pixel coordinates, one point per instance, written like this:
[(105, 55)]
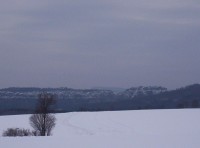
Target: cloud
[(111, 42)]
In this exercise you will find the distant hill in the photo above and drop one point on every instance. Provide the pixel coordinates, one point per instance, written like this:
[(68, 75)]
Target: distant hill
[(142, 91), (16, 100), (114, 89)]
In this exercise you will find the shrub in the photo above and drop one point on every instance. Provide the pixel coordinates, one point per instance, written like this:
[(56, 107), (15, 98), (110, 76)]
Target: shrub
[(14, 132)]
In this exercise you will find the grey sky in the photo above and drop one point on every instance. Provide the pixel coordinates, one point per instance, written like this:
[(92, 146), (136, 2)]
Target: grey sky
[(82, 44)]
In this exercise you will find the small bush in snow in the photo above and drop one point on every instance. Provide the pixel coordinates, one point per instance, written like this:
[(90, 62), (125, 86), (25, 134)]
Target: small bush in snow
[(14, 132)]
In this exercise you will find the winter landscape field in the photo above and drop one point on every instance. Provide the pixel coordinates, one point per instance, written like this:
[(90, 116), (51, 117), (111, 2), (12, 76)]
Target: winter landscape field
[(120, 129)]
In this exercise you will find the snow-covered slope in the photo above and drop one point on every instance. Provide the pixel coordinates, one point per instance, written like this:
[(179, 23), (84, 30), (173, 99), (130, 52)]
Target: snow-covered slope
[(68, 93), (62, 93), (142, 91), (121, 129)]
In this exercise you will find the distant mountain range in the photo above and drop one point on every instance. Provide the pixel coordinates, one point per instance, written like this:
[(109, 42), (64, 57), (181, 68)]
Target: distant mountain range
[(16, 100), (114, 89), (69, 93)]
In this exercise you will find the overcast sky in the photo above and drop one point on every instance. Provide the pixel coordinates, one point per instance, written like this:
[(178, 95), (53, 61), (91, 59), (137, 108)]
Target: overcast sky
[(88, 43)]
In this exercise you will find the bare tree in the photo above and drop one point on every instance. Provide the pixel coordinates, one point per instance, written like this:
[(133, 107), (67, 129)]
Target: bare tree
[(43, 121)]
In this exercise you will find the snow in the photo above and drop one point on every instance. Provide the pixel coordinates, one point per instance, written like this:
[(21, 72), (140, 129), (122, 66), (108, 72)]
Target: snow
[(120, 129)]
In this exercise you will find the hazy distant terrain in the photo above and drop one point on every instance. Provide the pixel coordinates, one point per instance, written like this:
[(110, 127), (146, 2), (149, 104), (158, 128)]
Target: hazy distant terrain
[(23, 100)]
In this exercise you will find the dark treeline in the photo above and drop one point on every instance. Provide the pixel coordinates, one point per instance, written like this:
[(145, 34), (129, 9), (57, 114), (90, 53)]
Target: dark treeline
[(187, 97)]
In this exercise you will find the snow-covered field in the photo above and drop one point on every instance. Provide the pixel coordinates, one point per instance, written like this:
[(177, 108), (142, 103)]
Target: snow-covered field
[(121, 129)]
